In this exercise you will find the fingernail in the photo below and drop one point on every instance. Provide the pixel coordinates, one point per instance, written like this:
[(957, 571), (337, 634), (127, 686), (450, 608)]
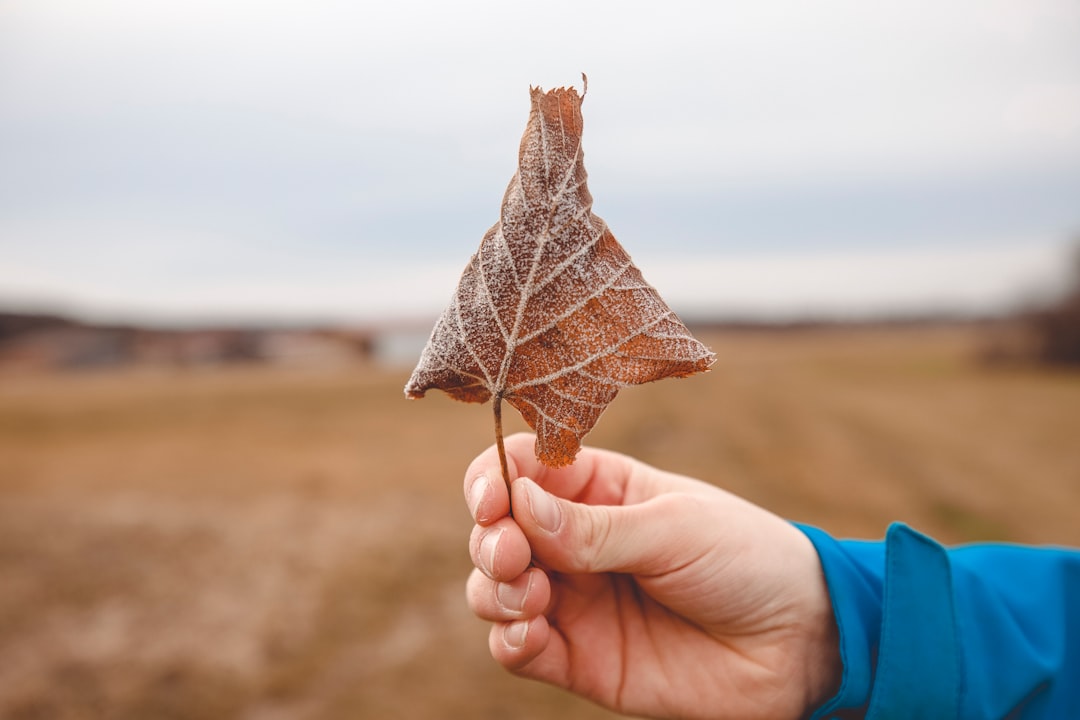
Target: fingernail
[(515, 633), (512, 595), (489, 545), (545, 510), (477, 493)]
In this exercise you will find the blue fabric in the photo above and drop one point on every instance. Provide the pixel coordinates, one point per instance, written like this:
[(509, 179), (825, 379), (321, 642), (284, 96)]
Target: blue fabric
[(977, 631)]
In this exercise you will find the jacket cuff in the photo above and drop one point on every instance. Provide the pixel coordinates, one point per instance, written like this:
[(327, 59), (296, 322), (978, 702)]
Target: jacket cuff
[(893, 606)]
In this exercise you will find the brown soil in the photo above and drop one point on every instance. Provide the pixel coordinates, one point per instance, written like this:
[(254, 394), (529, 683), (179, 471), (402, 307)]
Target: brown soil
[(260, 544)]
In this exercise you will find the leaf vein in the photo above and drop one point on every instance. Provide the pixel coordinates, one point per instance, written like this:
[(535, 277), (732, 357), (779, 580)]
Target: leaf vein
[(547, 418), (578, 305), (562, 372), (465, 340), (561, 267), (491, 298), (577, 400)]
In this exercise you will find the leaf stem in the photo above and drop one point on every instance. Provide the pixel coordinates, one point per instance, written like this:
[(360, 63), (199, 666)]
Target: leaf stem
[(496, 405)]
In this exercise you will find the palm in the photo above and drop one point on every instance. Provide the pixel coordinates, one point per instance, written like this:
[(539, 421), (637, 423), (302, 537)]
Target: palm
[(627, 651)]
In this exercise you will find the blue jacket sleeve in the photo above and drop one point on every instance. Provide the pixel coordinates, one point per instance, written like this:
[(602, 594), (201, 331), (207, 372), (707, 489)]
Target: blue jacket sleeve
[(977, 631)]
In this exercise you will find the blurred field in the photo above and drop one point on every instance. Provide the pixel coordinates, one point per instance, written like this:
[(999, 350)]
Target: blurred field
[(263, 544)]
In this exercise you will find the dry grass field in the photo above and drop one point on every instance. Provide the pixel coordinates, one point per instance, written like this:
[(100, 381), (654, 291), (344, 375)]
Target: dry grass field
[(264, 544)]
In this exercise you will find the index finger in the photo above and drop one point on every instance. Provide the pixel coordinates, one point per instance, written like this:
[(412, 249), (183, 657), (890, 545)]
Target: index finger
[(597, 477), (486, 491)]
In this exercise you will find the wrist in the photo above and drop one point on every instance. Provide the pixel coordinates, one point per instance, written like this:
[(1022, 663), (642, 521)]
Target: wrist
[(824, 667)]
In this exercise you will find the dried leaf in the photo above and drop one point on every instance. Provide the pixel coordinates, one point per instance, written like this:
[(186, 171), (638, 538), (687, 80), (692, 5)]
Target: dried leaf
[(550, 313)]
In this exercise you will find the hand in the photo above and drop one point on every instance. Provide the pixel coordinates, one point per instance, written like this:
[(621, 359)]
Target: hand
[(647, 592)]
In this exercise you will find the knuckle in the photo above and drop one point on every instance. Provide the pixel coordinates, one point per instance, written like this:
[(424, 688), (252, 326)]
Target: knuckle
[(594, 535)]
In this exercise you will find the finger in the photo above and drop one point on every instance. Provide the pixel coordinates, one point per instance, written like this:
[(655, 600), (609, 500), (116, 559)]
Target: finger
[(532, 649), (485, 491), (500, 550), (647, 538), (596, 476), (520, 458), (517, 644), (485, 488), (526, 596), (486, 496)]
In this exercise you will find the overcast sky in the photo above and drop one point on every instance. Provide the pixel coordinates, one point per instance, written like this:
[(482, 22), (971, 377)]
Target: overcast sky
[(341, 160)]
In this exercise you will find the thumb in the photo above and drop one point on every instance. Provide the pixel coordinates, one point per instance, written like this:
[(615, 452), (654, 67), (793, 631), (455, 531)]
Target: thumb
[(647, 538)]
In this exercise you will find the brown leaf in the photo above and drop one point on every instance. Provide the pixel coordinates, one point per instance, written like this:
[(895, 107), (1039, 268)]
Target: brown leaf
[(550, 314)]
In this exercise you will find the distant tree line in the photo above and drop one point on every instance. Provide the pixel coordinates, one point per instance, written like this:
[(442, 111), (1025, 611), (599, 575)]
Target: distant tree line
[(1047, 334), (44, 341), (1055, 329)]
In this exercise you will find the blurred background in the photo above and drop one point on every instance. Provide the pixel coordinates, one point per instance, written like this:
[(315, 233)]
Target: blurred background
[(226, 229)]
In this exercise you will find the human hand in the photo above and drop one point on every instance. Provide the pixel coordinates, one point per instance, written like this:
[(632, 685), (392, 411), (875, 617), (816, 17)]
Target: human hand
[(647, 592)]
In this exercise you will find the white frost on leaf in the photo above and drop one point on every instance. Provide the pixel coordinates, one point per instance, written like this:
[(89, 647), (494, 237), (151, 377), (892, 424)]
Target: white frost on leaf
[(551, 314)]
